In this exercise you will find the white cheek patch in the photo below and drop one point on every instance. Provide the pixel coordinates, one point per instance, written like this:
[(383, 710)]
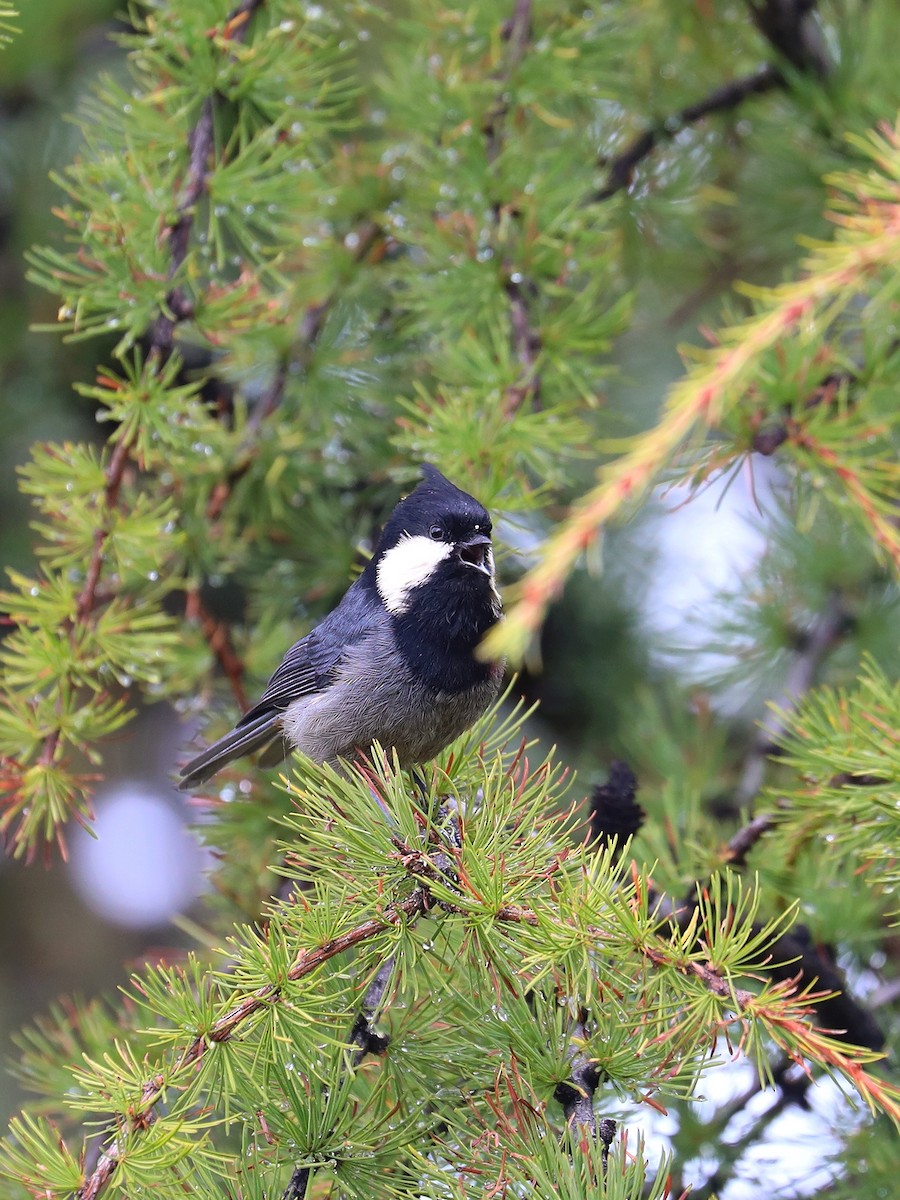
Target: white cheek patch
[(406, 566)]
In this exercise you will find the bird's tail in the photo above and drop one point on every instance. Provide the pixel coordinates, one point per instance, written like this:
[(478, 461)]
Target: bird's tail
[(244, 739)]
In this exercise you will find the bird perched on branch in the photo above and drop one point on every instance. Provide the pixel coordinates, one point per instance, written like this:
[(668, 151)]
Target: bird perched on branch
[(395, 662)]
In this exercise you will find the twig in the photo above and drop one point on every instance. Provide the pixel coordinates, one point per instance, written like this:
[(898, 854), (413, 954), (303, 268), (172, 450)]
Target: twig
[(516, 32), (218, 637), (790, 27), (526, 341), (722, 99), (746, 838), (363, 1036), (576, 1095), (527, 346), (177, 308), (826, 631), (299, 1182), (742, 1002), (307, 961), (793, 958), (309, 329)]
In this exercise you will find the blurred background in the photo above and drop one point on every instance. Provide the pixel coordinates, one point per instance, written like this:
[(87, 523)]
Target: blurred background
[(618, 650)]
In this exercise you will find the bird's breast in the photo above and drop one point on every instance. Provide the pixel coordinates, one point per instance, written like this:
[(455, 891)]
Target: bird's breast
[(378, 695)]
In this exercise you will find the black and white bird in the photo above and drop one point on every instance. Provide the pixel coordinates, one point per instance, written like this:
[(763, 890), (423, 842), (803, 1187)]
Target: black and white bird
[(395, 662)]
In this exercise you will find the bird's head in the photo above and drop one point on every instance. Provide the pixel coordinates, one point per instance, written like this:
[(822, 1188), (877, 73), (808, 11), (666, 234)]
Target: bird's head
[(437, 535)]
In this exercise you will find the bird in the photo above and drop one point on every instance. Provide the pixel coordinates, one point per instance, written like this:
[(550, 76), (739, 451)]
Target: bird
[(395, 662)]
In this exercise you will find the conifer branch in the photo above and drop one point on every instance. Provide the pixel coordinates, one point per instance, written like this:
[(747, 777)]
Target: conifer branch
[(87, 599), (576, 1095), (225, 1027), (516, 33), (363, 1035), (177, 308), (725, 98), (698, 403), (817, 643), (299, 1182), (309, 330), (218, 637), (740, 845), (526, 340), (787, 26)]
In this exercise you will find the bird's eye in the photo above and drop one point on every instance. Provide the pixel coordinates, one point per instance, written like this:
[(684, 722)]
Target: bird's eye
[(437, 532)]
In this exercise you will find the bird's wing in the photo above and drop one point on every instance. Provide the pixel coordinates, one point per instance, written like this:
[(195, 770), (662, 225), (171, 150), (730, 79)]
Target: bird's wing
[(311, 664), (304, 669), (308, 667)]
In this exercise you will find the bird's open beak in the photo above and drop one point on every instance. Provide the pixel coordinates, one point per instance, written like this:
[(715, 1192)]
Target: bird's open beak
[(476, 552)]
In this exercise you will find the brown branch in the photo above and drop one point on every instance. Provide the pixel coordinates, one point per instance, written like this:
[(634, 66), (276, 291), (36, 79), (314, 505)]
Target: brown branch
[(420, 901), (309, 329), (722, 99), (218, 637), (746, 838), (176, 308), (224, 1028), (516, 33), (790, 28), (201, 142), (526, 341)]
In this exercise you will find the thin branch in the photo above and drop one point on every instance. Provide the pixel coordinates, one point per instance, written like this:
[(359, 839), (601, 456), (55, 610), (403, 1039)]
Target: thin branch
[(787, 1024), (791, 29), (825, 633), (222, 1030), (218, 637), (722, 99), (299, 1182), (516, 32), (309, 329), (576, 1095), (746, 838), (177, 307), (526, 341), (363, 1034), (696, 403)]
